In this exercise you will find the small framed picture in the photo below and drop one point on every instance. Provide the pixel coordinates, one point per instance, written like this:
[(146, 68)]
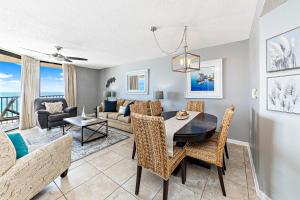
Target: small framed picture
[(283, 93), (283, 51)]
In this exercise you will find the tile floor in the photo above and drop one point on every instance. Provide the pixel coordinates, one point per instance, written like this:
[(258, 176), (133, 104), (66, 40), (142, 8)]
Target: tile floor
[(110, 174)]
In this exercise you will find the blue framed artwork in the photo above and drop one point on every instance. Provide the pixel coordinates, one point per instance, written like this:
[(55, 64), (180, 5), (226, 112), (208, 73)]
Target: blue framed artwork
[(207, 82)]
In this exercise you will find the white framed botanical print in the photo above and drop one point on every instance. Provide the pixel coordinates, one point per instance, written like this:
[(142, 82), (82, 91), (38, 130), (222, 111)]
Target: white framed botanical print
[(207, 82), (283, 51), (283, 93)]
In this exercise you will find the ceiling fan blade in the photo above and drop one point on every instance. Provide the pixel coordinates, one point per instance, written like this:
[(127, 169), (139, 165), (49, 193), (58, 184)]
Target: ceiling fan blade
[(77, 58), (67, 60), (36, 51)]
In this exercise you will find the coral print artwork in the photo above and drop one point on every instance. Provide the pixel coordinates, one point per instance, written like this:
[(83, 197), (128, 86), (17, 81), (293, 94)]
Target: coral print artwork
[(284, 94), (283, 51)]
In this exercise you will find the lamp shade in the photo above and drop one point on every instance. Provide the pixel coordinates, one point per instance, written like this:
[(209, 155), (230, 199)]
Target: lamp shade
[(186, 62), (107, 94), (159, 94), (113, 94)]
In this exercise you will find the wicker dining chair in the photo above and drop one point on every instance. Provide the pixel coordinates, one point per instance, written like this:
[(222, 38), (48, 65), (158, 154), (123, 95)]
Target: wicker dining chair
[(213, 151), (151, 144), (140, 108), (156, 108), (197, 106), (216, 136)]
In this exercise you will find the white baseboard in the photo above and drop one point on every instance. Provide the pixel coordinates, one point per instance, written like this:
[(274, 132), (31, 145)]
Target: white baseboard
[(260, 194)]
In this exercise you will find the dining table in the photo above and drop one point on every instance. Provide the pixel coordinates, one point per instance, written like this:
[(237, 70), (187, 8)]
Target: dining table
[(198, 129)]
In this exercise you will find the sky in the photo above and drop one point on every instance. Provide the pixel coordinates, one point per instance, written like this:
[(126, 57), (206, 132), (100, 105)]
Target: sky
[(51, 79)]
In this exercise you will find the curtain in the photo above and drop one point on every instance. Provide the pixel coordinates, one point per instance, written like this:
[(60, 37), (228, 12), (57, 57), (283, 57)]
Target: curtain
[(70, 84), (30, 87)]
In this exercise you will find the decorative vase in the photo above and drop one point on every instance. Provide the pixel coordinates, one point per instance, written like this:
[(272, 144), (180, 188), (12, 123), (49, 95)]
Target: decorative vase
[(83, 113)]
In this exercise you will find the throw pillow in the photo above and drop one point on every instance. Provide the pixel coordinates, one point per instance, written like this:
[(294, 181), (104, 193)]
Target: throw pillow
[(8, 153), (110, 106), (54, 107), (127, 110), (122, 110), (119, 103), (19, 144)]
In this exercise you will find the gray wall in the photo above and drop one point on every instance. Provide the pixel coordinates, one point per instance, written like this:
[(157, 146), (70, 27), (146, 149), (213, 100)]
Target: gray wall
[(235, 83), (277, 142), (87, 89)]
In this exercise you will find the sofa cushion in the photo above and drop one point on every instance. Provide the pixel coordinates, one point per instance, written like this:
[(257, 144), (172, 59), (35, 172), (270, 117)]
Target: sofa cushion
[(110, 106), (103, 114), (113, 115), (126, 102), (19, 144), (7, 153), (120, 103), (57, 117), (127, 110), (124, 119)]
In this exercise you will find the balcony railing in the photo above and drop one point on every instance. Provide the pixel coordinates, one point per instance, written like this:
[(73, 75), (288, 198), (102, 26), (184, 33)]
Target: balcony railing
[(9, 111)]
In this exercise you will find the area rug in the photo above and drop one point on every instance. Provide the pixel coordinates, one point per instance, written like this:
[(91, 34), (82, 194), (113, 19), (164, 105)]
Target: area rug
[(78, 151)]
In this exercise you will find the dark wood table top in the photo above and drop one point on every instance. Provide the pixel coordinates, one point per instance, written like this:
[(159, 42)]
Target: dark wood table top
[(198, 129)]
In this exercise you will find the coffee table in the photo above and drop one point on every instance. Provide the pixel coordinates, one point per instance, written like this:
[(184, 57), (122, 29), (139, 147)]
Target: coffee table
[(86, 124)]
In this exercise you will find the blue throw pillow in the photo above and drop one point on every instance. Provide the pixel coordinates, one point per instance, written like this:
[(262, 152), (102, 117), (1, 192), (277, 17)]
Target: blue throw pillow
[(19, 144), (110, 106), (127, 109)]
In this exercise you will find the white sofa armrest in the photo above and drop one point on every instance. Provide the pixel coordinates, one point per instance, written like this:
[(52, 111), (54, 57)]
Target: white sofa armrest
[(36, 170)]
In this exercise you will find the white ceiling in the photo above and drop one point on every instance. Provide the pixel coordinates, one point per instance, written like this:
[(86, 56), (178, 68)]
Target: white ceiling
[(114, 32)]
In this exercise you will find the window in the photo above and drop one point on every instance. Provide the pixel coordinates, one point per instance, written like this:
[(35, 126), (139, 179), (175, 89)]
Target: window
[(10, 76), (51, 81)]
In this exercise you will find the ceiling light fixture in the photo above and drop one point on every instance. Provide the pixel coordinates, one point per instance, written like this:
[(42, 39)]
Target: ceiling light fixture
[(185, 62)]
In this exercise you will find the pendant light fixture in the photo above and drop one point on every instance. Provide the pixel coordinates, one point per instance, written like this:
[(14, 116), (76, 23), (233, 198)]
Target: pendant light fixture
[(185, 62)]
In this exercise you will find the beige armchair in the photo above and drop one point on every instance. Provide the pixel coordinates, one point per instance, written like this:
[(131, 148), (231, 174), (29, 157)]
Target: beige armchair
[(27, 176)]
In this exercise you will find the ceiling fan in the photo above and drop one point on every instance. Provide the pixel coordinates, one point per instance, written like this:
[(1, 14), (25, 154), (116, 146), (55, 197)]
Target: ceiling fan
[(58, 56)]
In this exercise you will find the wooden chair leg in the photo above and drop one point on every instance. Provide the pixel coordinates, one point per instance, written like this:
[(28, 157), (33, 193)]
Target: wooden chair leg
[(138, 179), (224, 164), (221, 180), (133, 150), (165, 189), (226, 151), (183, 171)]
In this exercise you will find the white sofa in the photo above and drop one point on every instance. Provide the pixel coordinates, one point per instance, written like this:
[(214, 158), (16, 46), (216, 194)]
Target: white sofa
[(27, 176)]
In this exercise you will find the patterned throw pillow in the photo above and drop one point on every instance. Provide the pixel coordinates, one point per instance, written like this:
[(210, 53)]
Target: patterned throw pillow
[(122, 110), (54, 107)]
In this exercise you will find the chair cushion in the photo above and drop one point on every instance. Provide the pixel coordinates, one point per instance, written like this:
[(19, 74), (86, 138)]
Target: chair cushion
[(113, 115), (110, 106), (124, 119), (7, 153), (206, 151), (19, 144), (57, 117), (54, 107)]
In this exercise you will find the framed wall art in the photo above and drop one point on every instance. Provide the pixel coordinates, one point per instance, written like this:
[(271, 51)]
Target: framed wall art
[(207, 82), (283, 51), (283, 93)]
